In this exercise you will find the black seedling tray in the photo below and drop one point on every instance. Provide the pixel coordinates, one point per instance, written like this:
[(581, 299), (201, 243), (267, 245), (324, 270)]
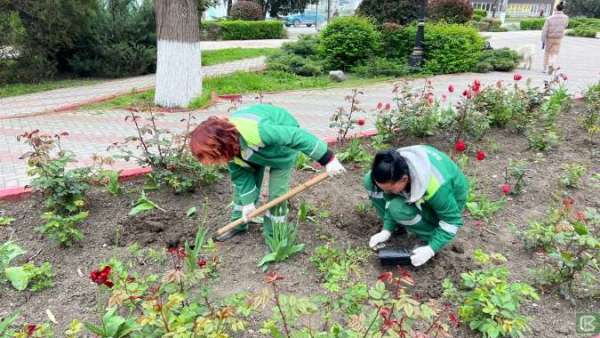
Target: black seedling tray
[(394, 256)]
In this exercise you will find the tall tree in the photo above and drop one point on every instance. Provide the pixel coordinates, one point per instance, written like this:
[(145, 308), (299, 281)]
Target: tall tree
[(178, 70)]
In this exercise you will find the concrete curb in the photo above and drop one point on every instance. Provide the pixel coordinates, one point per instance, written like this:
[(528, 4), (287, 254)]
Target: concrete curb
[(21, 193)]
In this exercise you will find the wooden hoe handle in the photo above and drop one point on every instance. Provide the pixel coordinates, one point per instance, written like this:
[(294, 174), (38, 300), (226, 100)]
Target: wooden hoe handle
[(263, 208)]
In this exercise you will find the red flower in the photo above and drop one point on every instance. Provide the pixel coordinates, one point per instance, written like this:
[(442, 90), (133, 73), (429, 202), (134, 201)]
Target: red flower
[(361, 121), (178, 252), (480, 155), (108, 284), (100, 276), (379, 105), (568, 202), (517, 77), (451, 88), (31, 329), (460, 146), (476, 86), (453, 318), (430, 99), (201, 263), (467, 93), (506, 188), (563, 76), (385, 312), (272, 277), (444, 97), (386, 277), (388, 106)]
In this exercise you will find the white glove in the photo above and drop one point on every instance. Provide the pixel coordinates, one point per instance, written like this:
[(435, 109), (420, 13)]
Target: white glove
[(246, 210), (379, 237), (421, 255), (334, 168)]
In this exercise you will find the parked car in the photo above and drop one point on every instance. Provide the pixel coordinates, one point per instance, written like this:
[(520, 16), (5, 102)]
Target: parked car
[(307, 19)]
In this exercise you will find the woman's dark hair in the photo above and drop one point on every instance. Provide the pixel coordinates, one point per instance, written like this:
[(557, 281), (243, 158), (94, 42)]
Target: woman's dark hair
[(388, 166), (560, 6)]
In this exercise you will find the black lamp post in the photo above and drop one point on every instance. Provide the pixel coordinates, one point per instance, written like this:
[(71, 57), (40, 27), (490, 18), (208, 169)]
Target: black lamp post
[(416, 58)]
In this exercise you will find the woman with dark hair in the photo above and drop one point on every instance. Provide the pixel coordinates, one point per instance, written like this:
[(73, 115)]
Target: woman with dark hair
[(252, 139), (419, 188)]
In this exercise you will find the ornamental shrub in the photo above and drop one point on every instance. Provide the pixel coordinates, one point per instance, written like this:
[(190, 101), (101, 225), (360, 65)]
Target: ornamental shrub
[(246, 10), (450, 11), (397, 11)]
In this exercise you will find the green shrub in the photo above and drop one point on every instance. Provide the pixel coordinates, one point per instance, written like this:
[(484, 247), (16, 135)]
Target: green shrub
[(397, 11), (489, 25), (532, 24), (296, 64), (584, 32), (490, 302), (480, 12), (451, 11), (348, 41), (583, 21), (306, 45), (589, 8), (251, 30), (449, 48), (379, 66), (502, 60), (246, 10), (298, 57)]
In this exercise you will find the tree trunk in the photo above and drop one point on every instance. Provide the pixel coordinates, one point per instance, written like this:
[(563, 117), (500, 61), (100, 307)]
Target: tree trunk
[(178, 68), (229, 4)]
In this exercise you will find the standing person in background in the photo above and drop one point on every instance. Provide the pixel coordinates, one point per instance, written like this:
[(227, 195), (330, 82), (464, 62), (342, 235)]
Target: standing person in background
[(552, 34)]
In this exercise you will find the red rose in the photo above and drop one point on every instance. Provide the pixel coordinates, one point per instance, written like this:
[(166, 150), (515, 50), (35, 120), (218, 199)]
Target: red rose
[(517, 77), (108, 284), (460, 146), (480, 155), (100, 276), (506, 188), (201, 263), (430, 99), (451, 88), (467, 93), (361, 121), (385, 277), (476, 86), (31, 329), (388, 106), (379, 105)]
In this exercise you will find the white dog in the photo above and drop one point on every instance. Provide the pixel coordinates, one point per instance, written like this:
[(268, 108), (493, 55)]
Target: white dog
[(526, 55)]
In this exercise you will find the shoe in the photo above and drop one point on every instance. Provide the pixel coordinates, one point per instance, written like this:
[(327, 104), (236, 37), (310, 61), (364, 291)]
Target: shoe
[(229, 234)]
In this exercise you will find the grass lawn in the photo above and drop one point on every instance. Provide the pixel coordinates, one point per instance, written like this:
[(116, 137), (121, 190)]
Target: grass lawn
[(28, 88), (209, 57), (213, 57), (241, 83)]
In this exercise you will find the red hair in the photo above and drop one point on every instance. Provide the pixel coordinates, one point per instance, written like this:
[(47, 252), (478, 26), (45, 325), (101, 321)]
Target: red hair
[(215, 141)]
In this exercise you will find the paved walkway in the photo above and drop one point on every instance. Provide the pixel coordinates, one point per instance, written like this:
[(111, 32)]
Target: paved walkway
[(92, 131), (65, 98)]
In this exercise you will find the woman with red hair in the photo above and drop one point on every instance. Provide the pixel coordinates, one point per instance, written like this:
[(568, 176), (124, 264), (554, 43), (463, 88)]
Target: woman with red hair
[(252, 139)]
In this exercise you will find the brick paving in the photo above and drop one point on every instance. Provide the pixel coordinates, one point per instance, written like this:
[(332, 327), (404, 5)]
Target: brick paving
[(92, 131)]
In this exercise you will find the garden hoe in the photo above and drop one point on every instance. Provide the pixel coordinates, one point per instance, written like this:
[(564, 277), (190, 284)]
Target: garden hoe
[(263, 208)]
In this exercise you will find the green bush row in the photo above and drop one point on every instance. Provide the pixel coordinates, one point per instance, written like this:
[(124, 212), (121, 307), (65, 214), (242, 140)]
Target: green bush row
[(532, 24), (243, 30)]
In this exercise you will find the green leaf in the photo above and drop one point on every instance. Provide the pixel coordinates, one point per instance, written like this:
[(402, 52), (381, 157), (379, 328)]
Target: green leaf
[(18, 277), (191, 212), (580, 228), (267, 259), (5, 220), (139, 208), (8, 252), (94, 329), (6, 322)]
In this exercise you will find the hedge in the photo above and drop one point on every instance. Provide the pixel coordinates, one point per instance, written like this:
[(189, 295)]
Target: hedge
[(584, 32), (243, 30), (449, 48), (532, 24)]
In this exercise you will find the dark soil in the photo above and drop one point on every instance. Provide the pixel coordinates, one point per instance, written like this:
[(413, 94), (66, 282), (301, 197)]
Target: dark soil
[(109, 230)]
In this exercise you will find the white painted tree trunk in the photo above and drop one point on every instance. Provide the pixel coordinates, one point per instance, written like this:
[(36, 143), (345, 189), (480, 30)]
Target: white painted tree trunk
[(178, 66)]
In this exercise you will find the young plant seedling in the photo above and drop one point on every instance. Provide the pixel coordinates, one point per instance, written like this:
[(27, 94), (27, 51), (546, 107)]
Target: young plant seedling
[(144, 204)]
